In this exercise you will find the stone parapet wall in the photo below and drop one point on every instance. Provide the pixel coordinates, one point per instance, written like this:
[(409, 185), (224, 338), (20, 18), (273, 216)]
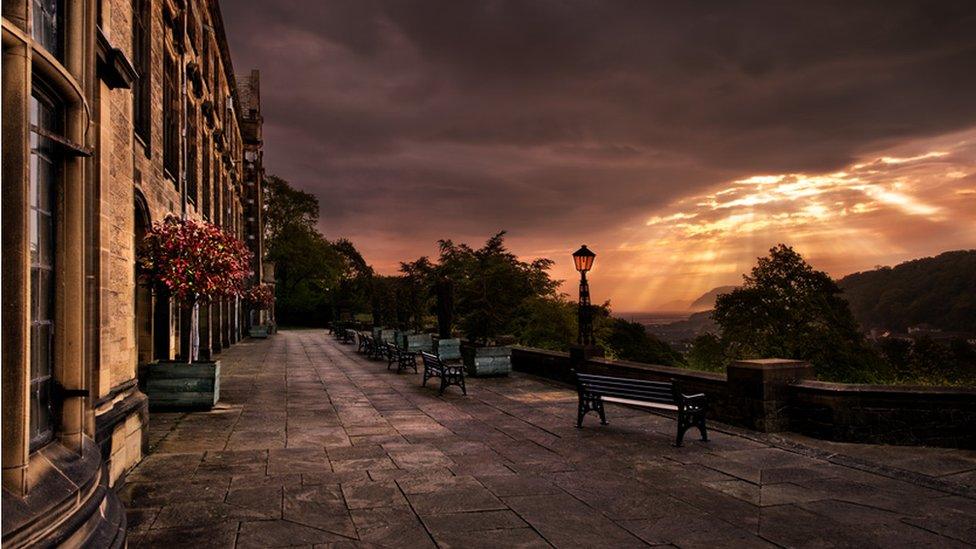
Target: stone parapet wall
[(931, 416), (779, 395)]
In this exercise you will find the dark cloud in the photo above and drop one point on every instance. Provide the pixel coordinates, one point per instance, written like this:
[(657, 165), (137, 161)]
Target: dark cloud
[(419, 120)]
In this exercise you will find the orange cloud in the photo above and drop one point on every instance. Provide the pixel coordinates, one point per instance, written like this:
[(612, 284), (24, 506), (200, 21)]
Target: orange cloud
[(913, 200)]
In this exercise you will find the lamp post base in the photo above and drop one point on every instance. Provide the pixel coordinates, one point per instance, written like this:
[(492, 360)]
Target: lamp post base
[(581, 353)]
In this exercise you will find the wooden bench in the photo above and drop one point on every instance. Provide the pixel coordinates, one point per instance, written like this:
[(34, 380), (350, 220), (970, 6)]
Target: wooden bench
[(449, 373), (348, 335), (361, 340), (401, 357), (594, 389), (370, 347)]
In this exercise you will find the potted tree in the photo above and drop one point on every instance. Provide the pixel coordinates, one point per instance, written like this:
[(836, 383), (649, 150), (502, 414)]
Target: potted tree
[(413, 301), (258, 298), (194, 263), (490, 285), (446, 346)]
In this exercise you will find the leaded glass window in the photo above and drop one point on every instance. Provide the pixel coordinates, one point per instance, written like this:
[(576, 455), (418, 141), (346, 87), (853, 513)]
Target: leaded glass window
[(44, 176)]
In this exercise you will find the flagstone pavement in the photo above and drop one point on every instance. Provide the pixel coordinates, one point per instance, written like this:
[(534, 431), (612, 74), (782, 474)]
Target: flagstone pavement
[(314, 445)]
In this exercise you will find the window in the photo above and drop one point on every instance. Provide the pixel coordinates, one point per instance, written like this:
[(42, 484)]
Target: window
[(142, 61), (44, 174), (171, 118), (206, 152), (191, 156), (48, 28)]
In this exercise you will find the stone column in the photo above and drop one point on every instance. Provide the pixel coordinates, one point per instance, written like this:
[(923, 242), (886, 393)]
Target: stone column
[(204, 326), (759, 391), (225, 324), (215, 341), (15, 263)]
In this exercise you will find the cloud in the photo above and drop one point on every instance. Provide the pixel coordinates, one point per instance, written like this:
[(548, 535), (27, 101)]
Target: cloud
[(582, 120)]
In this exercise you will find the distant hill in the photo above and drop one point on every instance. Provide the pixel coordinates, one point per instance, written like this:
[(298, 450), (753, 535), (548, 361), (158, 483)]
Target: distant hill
[(939, 291), (685, 330), (707, 301)]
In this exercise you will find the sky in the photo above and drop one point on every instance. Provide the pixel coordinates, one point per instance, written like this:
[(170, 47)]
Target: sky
[(679, 141)]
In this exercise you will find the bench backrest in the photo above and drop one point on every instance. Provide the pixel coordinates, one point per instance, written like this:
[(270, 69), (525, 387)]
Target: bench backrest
[(633, 389), (431, 360)]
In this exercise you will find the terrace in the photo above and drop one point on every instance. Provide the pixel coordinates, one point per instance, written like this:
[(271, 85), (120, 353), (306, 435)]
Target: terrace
[(313, 444)]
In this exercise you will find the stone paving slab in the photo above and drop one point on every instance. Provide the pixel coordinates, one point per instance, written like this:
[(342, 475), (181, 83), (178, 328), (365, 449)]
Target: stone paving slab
[(314, 445)]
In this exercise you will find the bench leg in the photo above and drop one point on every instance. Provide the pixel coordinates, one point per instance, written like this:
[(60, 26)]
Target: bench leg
[(426, 377), (701, 428), (588, 404), (685, 422)]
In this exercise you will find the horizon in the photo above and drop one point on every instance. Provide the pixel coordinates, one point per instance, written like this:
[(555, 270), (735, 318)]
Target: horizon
[(679, 142)]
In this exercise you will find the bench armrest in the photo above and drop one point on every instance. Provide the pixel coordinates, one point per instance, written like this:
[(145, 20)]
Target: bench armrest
[(696, 401)]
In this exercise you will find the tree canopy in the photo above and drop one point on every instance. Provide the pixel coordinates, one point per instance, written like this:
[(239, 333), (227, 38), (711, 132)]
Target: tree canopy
[(939, 291), (316, 278), (787, 309)]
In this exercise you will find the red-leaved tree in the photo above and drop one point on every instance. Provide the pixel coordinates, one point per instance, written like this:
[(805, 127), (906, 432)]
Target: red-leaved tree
[(195, 262), (259, 297)]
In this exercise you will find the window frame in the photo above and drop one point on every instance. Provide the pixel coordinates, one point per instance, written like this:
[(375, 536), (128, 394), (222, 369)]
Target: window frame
[(59, 28), (142, 61), (44, 384), (171, 117)]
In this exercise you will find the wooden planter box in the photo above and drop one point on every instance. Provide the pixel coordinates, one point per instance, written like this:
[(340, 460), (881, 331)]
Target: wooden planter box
[(487, 361), (179, 386), (259, 332), (448, 349), (387, 335), (415, 342)]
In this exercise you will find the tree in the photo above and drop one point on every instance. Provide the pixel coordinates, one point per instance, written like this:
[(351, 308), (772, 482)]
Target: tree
[(491, 284), (787, 309), (630, 341), (195, 263), (707, 353), (416, 286), (286, 207), (316, 278)]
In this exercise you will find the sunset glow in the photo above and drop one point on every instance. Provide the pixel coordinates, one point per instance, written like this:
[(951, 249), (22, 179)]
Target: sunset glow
[(874, 211), (678, 141)]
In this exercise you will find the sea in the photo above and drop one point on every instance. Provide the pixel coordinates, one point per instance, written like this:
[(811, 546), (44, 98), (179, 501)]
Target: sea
[(657, 318)]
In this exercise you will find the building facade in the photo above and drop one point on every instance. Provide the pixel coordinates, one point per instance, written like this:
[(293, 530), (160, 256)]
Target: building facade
[(116, 113)]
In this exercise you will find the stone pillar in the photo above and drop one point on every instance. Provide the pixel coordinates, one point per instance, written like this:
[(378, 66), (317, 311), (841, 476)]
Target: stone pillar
[(186, 321), (215, 342), (204, 326), (759, 391), (578, 354), (16, 262), (225, 324)]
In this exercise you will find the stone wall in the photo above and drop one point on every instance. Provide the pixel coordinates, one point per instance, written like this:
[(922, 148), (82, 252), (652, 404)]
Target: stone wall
[(932, 416), (780, 395)]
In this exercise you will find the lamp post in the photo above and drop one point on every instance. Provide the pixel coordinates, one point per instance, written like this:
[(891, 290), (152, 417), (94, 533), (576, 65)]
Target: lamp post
[(583, 258)]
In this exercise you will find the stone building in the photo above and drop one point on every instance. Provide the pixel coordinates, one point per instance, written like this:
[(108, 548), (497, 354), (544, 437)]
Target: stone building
[(116, 113)]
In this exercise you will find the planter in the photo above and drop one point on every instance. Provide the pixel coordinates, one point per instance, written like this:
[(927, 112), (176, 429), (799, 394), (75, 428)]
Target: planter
[(448, 349), (179, 386), (487, 361), (418, 342), (258, 332), (388, 335), (377, 332)]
